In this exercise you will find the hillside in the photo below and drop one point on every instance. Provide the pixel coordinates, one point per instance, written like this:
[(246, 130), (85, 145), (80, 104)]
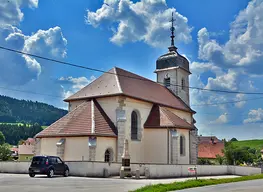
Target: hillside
[(257, 143), (16, 111)]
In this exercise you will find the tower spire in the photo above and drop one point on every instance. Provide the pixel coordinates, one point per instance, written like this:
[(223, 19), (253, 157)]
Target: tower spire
[(172, 47)]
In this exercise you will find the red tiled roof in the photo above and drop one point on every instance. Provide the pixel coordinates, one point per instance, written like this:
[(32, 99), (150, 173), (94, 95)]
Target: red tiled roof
[(208, 139), (208, 150), (161, 117), (131, 85), (78, 122)]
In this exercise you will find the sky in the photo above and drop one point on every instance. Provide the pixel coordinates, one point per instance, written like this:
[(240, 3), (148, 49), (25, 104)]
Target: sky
[(223, 41)]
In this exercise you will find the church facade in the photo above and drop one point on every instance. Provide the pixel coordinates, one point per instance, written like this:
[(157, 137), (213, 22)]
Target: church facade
[(154, 117)]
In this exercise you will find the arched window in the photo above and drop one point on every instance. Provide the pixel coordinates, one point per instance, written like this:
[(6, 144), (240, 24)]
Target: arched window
[(134, 126), (108, 156), (183, 84), (182, 145)]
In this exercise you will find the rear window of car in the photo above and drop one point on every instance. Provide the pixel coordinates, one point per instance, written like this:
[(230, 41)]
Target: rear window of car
[(39, 160)]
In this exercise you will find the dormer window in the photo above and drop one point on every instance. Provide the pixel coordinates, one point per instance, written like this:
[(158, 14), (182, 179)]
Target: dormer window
[(167, 82)]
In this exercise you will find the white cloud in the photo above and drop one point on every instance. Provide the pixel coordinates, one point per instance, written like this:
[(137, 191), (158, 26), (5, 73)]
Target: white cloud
[(244, 48), (73, 84), (227, 81), (222, 119), (20, 69), (10, 11), (145, 20), (254, 115), (241, 103), (236, 65)]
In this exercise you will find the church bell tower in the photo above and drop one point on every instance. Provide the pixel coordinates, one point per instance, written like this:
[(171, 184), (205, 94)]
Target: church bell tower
[(172, 70)]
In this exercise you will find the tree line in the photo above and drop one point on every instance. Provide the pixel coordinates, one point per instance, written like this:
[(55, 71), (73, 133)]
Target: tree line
[(13, 133), (17, 111)]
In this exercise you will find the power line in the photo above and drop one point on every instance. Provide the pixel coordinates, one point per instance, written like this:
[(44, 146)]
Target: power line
[(142, 79), (31, 92), (228, 102), (208, 104)]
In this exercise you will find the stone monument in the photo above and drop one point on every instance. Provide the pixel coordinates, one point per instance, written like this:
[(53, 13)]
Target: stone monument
[(125, 168)]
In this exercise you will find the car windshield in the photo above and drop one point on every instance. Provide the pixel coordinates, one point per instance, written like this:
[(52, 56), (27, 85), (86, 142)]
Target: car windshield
[(38, 160)]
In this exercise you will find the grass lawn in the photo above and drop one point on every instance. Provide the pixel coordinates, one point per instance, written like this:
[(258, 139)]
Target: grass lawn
[(194, 183), (257, 144)]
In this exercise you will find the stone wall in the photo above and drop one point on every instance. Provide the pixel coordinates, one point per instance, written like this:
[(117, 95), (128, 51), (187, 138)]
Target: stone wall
[(101, 169)]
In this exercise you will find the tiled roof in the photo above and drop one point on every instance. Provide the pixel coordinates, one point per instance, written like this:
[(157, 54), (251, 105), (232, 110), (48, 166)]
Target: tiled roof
[(209, 150), (161, 117), (78, 122), (131, 85), (208, 139)]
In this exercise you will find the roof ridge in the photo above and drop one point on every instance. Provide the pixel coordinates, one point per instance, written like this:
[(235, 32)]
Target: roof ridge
[(164, 111), (118, 80)]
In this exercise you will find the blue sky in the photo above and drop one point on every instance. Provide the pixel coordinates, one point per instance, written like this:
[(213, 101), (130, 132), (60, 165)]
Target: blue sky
[(222, 39)]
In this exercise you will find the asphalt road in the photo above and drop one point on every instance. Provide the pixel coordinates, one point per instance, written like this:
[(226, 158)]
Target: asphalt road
[(23, 183), (244, 186)]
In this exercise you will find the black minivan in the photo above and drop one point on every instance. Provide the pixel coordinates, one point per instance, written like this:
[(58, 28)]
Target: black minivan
[(48, 165)]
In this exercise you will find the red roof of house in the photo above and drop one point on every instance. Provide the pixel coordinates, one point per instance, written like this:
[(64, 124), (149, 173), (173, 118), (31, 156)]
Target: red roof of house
[(78, 122), (209, 150), (120, 82), (161, 117), (208, 139)]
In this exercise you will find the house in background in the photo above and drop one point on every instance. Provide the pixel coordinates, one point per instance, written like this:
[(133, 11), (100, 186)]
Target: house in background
[(26, 150), (209, 147)]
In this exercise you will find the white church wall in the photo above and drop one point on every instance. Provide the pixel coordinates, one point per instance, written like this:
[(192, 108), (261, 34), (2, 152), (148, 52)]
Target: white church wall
[(76, 149), (155, 145), (48, 146), (104, 143), (136, 147), (109, 105)]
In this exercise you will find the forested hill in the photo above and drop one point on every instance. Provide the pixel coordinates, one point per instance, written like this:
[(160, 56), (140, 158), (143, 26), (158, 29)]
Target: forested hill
[(16, 111)]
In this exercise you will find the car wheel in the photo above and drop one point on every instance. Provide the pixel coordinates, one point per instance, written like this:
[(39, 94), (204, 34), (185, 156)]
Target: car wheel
[(50, 173), (66, 173), (32, 174)]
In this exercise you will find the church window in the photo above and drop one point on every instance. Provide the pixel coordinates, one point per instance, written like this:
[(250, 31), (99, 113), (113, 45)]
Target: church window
[(183, 84), (182, 145), (108, 156), (167, 82), (134, 125)]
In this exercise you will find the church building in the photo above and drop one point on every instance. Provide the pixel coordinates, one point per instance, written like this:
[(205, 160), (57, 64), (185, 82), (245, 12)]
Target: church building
[(155, 118)]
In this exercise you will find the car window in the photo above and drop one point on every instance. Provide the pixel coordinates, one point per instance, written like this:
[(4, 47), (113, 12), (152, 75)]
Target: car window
[(53, 160), (38, 160), (59, 161)]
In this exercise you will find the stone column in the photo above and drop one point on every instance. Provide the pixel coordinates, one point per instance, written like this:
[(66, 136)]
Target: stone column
[(121, 125), (193, 146), (125, 168), (175, 150), (174, 147)]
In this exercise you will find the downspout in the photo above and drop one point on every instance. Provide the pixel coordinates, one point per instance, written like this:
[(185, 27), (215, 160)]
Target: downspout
[(189, 147), (168, 142)]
